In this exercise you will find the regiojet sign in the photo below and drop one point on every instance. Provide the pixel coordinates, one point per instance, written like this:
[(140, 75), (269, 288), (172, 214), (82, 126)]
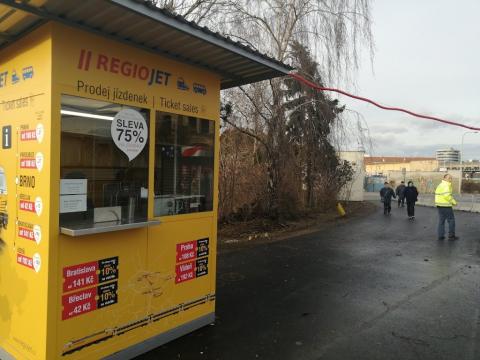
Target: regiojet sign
[(158, 83), (122, 67)]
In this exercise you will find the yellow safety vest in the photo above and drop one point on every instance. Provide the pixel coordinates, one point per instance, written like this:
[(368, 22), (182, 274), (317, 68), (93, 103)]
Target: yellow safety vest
[(443, 195)]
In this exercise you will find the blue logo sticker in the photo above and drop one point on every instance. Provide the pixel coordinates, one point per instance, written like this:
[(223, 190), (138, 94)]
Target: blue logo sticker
[(15, 78), (199, 89), (181, 84), (27, 72)]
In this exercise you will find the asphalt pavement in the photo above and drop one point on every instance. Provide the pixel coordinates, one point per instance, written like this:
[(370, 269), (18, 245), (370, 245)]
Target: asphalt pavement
[(370, 288)]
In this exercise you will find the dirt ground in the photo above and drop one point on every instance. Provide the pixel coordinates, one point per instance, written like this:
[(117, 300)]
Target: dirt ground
[(241, 233)]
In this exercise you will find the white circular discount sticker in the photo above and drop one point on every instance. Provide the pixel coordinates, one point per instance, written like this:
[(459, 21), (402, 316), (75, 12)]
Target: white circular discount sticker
[(38, 205), (39, 132), (39, 161), (129, 132), (37, 262), (37, 234)]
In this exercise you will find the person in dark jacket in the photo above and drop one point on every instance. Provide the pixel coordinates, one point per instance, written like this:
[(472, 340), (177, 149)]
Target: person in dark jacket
[(400, 192), (411, 195), (386, 195)]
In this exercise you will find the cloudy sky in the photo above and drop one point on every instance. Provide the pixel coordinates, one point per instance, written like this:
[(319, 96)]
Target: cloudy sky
[(427, 60)]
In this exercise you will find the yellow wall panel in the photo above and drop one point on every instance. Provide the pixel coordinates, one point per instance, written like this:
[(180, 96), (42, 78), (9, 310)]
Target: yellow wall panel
[(26, 251), (97, 294)]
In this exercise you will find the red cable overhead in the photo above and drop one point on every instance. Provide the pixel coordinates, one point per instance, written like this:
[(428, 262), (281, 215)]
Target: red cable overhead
[(321, 88)]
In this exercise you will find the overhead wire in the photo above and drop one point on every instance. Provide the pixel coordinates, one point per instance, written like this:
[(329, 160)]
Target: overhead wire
[(311, 84)]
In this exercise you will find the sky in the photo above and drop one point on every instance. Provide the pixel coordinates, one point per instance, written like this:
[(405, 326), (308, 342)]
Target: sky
[(427, 59)]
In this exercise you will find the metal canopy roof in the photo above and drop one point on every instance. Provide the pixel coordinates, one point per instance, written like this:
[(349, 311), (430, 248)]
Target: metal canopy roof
[(140, 24)]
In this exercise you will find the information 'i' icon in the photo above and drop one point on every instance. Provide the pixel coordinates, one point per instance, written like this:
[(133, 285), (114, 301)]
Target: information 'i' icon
[(7, 137)]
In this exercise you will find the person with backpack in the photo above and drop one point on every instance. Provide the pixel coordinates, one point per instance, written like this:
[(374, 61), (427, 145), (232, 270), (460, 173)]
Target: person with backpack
[(411, 196), (400, 192), (386, 194)]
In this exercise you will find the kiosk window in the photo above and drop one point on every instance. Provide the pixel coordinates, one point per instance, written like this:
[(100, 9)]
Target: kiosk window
[(104, 174), (183, 164)]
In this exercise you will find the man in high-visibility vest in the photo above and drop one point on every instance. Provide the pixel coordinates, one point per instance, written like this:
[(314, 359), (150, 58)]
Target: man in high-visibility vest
[(444, 202)]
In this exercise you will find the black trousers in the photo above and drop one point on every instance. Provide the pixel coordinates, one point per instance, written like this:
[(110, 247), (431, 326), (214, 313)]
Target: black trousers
[(411, 208), (387, 207), (401, 200)]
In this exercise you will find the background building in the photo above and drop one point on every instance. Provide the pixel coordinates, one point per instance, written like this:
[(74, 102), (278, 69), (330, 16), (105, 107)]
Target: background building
[(445, 156), (380, 165)]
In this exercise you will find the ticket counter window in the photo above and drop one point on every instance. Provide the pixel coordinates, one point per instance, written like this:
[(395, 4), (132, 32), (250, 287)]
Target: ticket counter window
[(184, 153), (103, 181)]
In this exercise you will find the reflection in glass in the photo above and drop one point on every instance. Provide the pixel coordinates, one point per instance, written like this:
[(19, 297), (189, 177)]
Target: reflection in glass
[(184, 154)]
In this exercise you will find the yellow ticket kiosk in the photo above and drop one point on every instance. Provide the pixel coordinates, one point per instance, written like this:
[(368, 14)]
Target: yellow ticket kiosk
[(108, 175)]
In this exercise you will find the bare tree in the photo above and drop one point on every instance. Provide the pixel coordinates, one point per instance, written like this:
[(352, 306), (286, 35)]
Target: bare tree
[(203, 12), (334, 30)]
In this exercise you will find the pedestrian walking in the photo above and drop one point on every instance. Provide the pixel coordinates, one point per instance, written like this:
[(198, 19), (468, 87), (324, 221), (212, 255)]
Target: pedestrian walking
[(400, 191), (386, 194), (411, 196), (444, 202)]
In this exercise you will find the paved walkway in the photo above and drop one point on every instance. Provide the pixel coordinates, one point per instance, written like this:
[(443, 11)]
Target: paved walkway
[(466, 202), (373, 288)]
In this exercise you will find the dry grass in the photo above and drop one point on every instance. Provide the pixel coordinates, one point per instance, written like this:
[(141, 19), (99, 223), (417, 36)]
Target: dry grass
[(261, 230)]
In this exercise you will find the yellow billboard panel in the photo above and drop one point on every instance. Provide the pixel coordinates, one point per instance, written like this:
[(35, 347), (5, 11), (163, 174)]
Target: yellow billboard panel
[(25, 251), (96, 135), (165, 274)]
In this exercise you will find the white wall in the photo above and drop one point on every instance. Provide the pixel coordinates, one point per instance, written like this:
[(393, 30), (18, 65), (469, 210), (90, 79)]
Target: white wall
[(353, 191)]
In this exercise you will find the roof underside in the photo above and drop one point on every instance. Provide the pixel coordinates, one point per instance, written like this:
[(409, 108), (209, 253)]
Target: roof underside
[(139, 24)]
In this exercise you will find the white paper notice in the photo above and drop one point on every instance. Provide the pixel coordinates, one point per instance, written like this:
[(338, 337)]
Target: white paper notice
[(73, 203), (3, 182), (73, 186), (129, 132)]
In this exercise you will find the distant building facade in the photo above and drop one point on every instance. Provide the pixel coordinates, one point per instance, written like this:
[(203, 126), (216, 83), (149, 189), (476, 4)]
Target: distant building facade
[(381, 165), (447, 156)]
